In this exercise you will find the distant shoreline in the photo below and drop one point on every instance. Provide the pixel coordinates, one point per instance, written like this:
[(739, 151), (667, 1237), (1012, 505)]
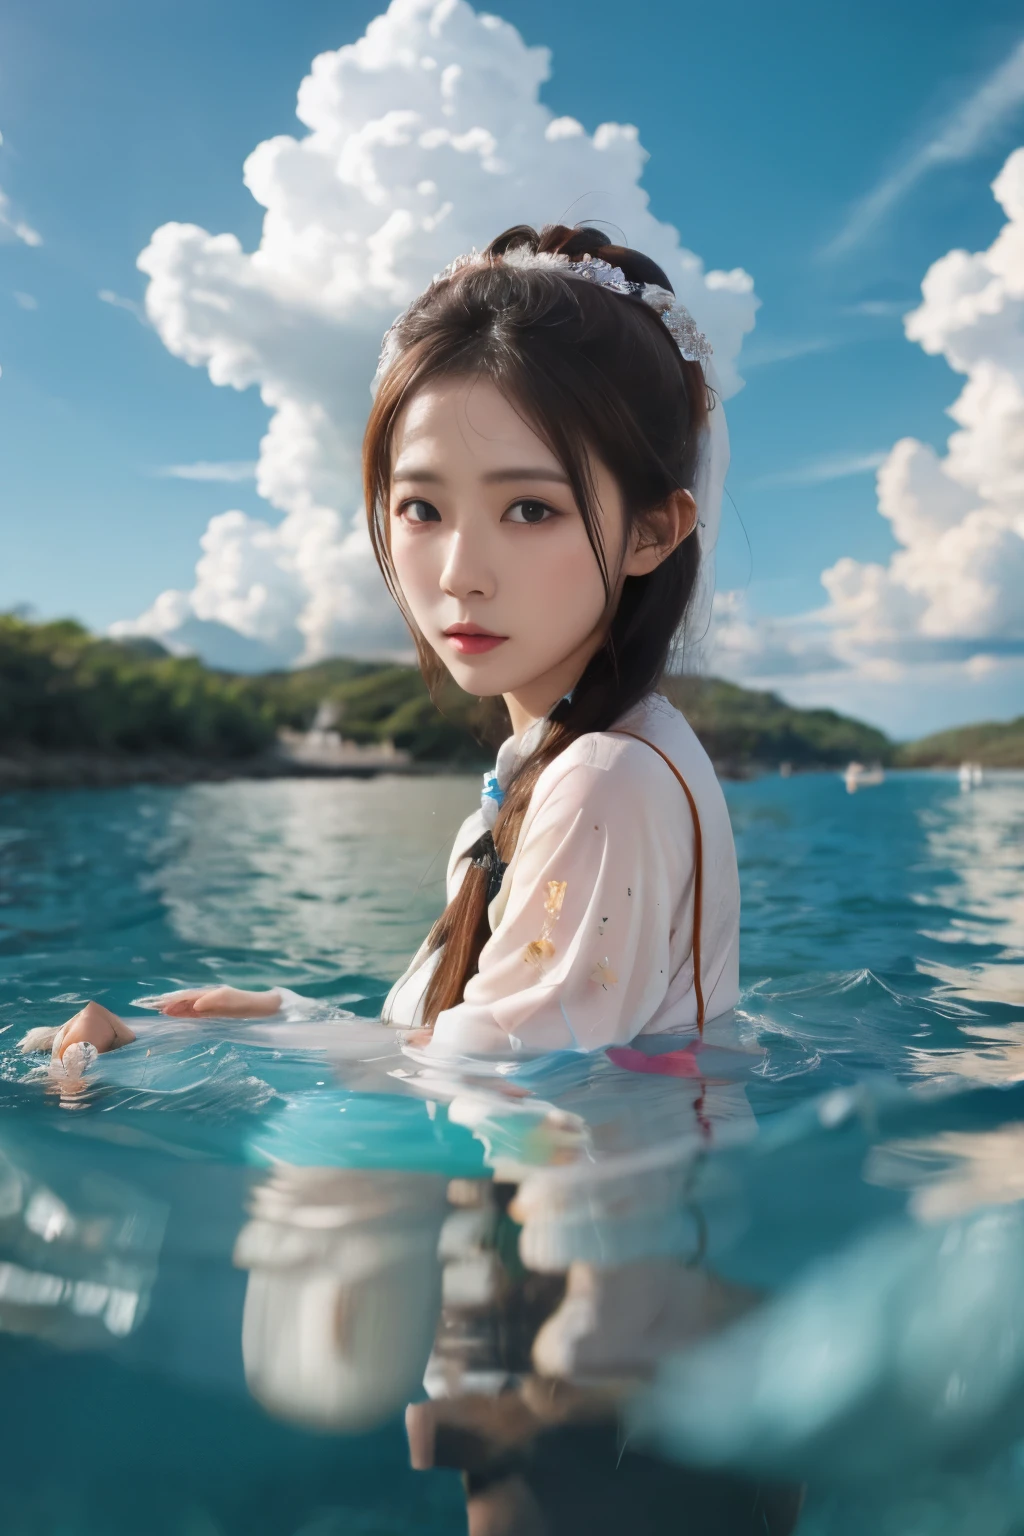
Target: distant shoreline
[(77, 710), (105, 770), (109, 770)]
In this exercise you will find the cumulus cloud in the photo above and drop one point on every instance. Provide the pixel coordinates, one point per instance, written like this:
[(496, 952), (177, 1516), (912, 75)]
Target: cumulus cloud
[(425, 137), (745, 645), (950, 601), (956, 583)]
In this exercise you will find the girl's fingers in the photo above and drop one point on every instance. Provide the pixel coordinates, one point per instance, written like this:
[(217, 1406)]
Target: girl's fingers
[(171, 1002), (418, 1037), (232, 1003), (218, 1002), (181, 1007)]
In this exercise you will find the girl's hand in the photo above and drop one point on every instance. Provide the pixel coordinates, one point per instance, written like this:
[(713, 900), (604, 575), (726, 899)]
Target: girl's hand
[(420, 1038), (93, 1025), (215, 1003)]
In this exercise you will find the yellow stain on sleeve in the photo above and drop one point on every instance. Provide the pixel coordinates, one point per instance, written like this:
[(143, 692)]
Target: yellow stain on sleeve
[(536, 953), (603, 974), (542, 949)]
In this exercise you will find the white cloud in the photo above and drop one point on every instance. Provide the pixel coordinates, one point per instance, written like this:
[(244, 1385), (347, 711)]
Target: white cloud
[(879, 309), (912, 701), (949, 603), (771, 352), (25, 300), (11, 226), (956, 582), (820, 471), (115, 300), (425, 137), (753, 648), (967, 130), (229, 471)]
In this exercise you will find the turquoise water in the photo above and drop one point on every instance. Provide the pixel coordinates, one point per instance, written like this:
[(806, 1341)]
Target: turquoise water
[(230, 1254)]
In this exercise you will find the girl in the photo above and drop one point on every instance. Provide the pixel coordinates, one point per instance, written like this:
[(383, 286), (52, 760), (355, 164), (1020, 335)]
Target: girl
[(542, 444)]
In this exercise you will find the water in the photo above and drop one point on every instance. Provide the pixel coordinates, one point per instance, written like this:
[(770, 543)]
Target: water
[(789, 1265)]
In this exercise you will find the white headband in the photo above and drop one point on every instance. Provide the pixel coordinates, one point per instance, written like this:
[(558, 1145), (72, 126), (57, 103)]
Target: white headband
[(678, 321)]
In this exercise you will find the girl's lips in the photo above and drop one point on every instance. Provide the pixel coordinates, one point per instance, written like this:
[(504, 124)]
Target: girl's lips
[(474, 644)]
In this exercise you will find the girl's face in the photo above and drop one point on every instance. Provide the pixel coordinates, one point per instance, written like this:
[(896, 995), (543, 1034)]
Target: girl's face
[(490, 549)]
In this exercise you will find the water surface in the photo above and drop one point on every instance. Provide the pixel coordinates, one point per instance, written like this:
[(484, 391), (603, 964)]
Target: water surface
[(230, 1255)]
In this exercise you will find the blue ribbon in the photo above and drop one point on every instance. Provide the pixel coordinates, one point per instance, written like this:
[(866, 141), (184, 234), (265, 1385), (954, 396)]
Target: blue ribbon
[(492, 790)]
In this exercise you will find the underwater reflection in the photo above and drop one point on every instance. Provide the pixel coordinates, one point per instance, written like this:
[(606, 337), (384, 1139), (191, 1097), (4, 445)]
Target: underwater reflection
[(544, 1459), (902, 1351), (343, 1292), (368, 1289), (78, 1251), (953, 1172), (515, 1317)]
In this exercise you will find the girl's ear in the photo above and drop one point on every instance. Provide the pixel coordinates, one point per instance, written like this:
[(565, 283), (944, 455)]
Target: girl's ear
[(659, 532)]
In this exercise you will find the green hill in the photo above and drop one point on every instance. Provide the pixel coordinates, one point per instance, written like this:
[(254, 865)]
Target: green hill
[(741, 728), (378, 701), (64, 691), (994, 744)]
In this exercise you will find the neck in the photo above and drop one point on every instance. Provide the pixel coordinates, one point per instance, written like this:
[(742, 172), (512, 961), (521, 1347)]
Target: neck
[(528, 705), (521, 716), (538, 698)]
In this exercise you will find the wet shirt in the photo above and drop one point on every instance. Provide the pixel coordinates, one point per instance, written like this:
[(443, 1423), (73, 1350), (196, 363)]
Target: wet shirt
[(592, 929)]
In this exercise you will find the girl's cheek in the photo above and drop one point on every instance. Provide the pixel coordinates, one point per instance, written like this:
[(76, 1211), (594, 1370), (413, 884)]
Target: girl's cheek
[(414, 558), (559, 565)]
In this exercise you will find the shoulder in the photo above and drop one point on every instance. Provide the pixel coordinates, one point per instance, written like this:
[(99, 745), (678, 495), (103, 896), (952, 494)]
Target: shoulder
[(618, 771)]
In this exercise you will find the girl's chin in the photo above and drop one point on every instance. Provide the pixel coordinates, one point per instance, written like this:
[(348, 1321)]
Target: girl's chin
[(473, 676), (482, 675)]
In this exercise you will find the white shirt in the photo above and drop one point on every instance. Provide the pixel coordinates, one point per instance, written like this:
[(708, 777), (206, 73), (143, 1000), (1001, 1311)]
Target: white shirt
[(609, 819)]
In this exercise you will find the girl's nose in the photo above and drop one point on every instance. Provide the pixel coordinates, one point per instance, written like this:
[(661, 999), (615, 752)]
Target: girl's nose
[(466, 571)]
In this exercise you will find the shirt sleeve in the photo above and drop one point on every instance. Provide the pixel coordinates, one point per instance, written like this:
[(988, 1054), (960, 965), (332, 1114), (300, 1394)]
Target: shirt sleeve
[(295, 1006), (580, 956)]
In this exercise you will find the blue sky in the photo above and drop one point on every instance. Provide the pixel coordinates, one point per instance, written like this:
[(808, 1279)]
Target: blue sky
[(765, 126)]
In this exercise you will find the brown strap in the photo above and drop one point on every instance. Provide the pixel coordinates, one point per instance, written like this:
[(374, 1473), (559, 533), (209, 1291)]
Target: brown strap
[(698, 870)]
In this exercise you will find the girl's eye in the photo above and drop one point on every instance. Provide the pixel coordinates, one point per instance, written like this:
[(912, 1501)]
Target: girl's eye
[(419, 512), (530, 512)]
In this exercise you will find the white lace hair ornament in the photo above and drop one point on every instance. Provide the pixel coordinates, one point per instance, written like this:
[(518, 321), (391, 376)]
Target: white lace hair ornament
[(713, 455)]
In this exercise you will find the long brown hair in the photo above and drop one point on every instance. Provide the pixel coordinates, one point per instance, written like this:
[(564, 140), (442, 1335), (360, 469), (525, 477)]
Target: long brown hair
[(596, 373)]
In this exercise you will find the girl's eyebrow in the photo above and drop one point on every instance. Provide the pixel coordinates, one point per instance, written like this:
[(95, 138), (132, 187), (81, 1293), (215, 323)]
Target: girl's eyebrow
[(492, 477)]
